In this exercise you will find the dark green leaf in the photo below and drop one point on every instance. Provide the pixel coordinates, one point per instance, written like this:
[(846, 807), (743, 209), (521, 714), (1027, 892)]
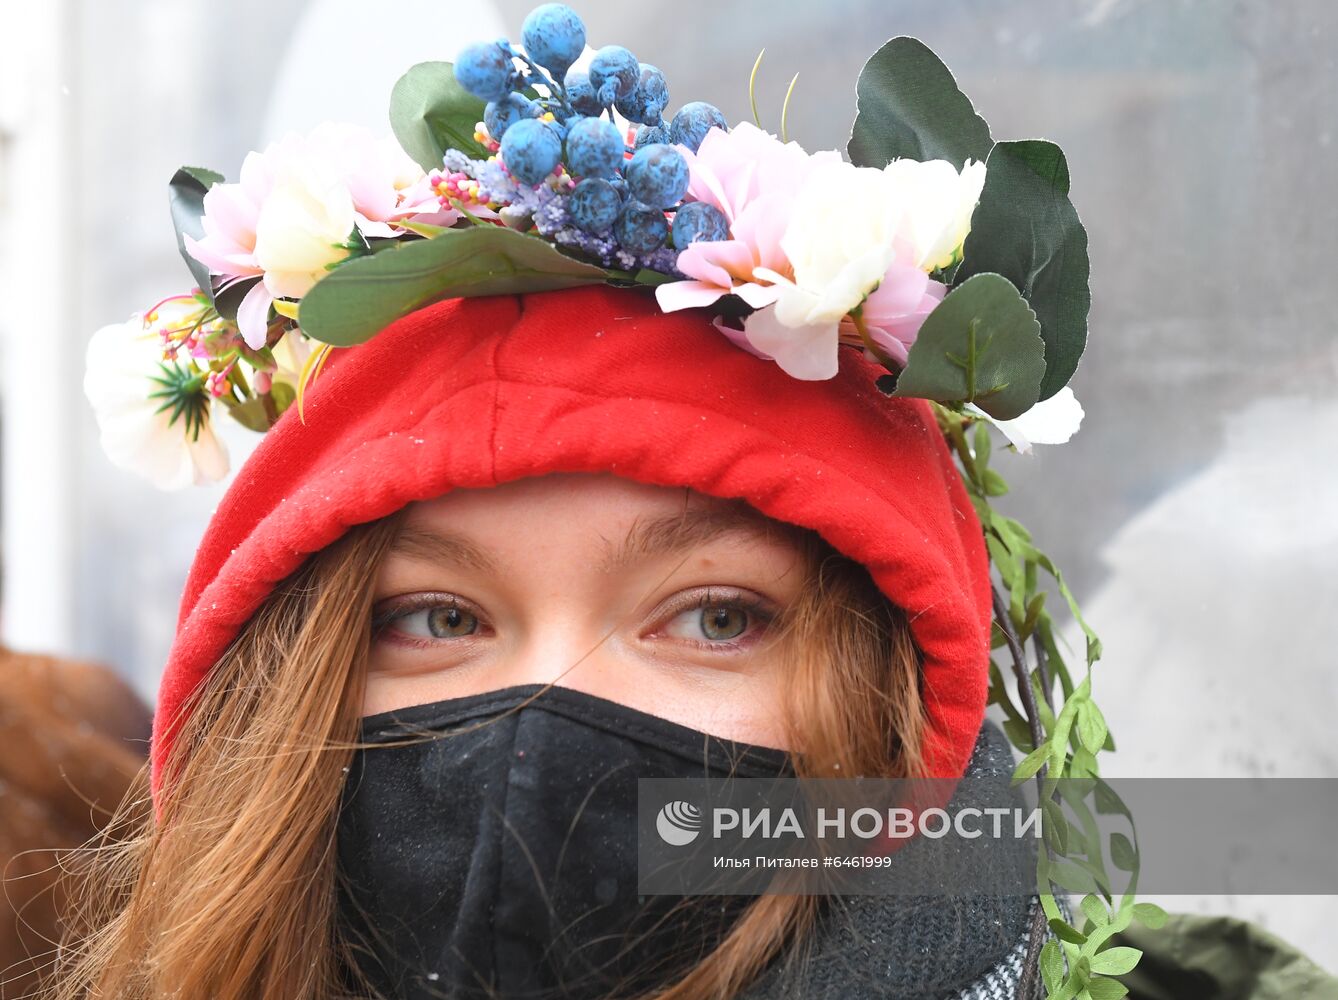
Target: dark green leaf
[(430, 113), (1056, 826), (909, 105), (1026, 229), (1018, 732), (1066, 933), (1122, 852), (1109, 803), (981, 344), (185, 194), (356, 301)]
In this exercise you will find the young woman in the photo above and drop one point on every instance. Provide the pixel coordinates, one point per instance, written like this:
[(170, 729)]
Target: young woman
[(514, 553)]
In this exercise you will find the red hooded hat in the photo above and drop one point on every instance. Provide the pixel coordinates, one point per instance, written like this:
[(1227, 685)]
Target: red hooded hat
[(477, 392)]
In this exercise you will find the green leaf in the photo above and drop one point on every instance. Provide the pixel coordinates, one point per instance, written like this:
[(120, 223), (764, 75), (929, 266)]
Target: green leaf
[(1122, 852), (1115, 961), (430, 113), (1031, 764), (1018, 732), (185, 195), (1109, 803), (1026, 229), (1150, 915), (1095, 910), (1091, 726), (981, 344), (1056, 826), (1066, 933), (910, 105), (995, 484), (1034, 608), (1052, 965), (251, 413), (354, 302), (981, 444), (1083, 765), (1072, 878), (1003, 559), (1107, 989)]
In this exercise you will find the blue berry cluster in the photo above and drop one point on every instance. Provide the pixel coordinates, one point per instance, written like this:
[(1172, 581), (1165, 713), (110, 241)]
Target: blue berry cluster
[(618, 209)]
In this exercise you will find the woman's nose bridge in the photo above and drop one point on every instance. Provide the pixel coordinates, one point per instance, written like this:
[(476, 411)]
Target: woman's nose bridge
[(572, 652)]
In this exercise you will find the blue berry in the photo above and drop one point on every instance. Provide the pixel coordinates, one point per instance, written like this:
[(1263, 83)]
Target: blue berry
[(614, 73), (640, 228), (594, 148), (647, 100), (698, 221), (648, 134), (485, 70), (658, 175), (581, 95), (499, 116), (553, 36), (692, 123), (531, 149), (594, 205)]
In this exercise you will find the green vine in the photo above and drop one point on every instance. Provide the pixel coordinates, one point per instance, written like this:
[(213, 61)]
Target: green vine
[(1057, 725)]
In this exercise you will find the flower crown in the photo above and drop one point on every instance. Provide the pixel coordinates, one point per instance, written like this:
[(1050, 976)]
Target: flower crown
[(956, 262)]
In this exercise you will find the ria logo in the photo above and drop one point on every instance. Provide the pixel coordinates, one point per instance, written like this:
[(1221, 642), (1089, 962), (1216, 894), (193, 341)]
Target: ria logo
[(679, 823)]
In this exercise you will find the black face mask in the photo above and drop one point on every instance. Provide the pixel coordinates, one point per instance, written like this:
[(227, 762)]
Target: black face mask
[(500, 860)]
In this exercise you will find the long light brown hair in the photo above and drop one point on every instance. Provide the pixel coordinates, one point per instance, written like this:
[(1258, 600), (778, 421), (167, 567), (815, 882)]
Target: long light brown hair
[(232, 895)]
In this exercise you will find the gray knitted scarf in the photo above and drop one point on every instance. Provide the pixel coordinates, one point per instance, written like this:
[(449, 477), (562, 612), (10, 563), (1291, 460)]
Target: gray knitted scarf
[(914, 947)]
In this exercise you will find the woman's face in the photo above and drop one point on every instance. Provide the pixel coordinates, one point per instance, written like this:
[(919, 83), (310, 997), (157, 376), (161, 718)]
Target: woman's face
[(658, 598)]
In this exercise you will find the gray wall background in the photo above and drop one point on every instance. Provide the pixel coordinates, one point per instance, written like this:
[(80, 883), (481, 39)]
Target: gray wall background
[(1194, 514)]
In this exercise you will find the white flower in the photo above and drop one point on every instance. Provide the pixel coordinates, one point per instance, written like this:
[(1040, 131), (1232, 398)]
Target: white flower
[(120, 361), (939, 203), (309, 212), (839, 244), (857, 230), (1051, 421)]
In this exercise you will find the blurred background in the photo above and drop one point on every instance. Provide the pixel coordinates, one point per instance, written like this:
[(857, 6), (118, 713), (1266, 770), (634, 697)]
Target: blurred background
[(1195, 514)]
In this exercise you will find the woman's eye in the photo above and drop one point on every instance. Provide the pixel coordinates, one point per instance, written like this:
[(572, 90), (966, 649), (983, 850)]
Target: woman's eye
[(433, 621), (718, 622), (723, 622)]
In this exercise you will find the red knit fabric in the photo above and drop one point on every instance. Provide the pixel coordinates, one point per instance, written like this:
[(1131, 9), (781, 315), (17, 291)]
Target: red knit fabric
[(477, 392)]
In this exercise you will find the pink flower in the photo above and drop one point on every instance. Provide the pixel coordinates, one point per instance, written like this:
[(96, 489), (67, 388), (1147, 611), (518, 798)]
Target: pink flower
[(297, 200), (754, 179), (894, 311), (856, 243), (893, 314)]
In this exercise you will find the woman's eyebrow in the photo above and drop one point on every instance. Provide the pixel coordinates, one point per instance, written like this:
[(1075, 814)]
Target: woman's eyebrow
[(648, 538), (674, 533), (426, 545)]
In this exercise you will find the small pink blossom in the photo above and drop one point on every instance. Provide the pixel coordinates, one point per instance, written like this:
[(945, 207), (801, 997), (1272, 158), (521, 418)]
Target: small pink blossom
[(895, 310), (754, 179)]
